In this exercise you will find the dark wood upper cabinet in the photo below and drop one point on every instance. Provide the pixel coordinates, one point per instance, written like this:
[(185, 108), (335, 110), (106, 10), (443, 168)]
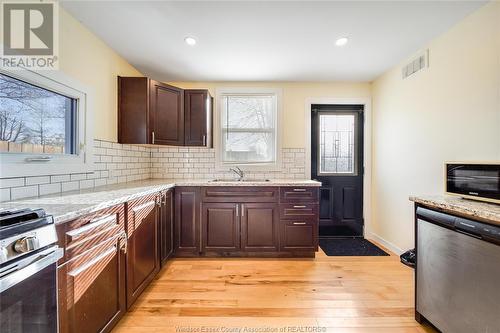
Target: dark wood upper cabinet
[(151, 112), (167, 114), (198, 118), (143, 252)]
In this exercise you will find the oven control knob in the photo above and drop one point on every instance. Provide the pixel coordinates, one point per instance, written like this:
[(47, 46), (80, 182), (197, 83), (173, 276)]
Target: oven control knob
[(26, 244)]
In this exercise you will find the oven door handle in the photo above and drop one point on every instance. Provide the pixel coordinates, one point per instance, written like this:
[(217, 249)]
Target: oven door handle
[(48, 257)]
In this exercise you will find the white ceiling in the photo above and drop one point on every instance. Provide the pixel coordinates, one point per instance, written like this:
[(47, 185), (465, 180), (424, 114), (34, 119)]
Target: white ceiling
[(267, 41)]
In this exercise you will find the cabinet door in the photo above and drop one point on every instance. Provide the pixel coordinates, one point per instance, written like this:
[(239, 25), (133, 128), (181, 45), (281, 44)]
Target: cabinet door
[(91, 288), (198, 118), (299, 235), (187, 221), (142, 258), (166, 226), (220, 227), (259, 227), (166, 114)]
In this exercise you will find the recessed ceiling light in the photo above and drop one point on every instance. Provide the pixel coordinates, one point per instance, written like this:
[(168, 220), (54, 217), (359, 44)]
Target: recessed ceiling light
[(341, 41), (190, 41)]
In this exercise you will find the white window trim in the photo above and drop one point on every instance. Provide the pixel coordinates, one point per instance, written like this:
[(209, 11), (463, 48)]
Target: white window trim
[(272, 166), (16, 164)]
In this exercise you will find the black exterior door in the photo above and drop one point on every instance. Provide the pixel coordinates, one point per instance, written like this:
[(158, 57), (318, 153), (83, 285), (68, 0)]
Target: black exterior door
[(337, 161)]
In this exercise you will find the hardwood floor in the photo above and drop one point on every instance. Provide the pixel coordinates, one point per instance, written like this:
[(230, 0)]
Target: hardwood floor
[(332, 294)]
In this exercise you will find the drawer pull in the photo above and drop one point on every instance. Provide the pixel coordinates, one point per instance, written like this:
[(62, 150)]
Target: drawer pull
[(91, 225), (299, 206), (299, 223), (299, 189), (123, 241)]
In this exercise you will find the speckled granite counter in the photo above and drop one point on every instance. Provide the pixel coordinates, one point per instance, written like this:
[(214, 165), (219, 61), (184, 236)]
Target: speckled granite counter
[(487, 212), (70, 205)]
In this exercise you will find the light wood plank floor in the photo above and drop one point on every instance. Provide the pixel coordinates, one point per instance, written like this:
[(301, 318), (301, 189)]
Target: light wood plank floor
[(333, 294)]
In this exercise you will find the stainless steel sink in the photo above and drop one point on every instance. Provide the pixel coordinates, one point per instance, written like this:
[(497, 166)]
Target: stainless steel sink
[(246, 180)]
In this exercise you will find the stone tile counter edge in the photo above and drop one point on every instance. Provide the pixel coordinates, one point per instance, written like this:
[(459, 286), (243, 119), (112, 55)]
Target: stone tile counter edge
[(71, 205), (486, 212)]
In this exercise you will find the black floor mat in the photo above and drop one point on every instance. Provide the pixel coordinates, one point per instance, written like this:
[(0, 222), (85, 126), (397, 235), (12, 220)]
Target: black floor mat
[(350, 247)]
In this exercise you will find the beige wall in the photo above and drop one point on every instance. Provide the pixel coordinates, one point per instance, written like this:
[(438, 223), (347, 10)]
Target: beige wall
[(295, 95), (450, 111), (84, 57)]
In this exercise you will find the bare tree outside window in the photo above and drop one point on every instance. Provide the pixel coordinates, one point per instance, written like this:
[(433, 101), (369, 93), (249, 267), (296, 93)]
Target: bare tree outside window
[(33, 119), (249, 128)]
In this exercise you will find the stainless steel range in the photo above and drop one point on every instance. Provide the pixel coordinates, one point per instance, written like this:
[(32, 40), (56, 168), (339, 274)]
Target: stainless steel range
[(28, 280)]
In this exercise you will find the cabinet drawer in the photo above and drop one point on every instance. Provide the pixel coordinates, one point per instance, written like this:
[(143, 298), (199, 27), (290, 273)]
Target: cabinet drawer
[(299, 210), (96, 276), (85, 232), (299, 235), (138, 209), (239, 194), (299, 194)]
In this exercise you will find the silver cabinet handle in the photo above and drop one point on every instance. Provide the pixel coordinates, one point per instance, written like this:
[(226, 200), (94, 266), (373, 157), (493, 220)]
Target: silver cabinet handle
[(299, 206), (153, 137), (299, 189), (237, 210), (299, 223), (242, 210), (204, 140), (123, 241)]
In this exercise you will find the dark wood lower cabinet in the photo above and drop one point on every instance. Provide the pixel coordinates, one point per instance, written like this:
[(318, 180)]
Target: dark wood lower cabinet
[(166, 226), (187, 221), (299, 235), (143, 255), (246, 221), (259, 227), (220, 227), (92, 288)]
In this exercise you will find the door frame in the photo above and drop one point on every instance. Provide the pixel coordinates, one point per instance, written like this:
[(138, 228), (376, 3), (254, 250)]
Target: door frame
[(367, 148)]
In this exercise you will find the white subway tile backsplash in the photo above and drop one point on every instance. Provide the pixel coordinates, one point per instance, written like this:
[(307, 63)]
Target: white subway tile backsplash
[(23, 192), (86, 184), (116, 163), (70, 186), (49, 188), (59, 178), (11, 182), (5, 194), (37, 180), (78, 176)]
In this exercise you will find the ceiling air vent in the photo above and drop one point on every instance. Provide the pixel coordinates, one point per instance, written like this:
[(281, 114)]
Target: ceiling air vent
[(417, 64)]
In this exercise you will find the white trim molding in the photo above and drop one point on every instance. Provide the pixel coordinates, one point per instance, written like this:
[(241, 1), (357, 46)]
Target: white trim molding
[(21, 164), (367, 142), (390, 246), (272, 166)]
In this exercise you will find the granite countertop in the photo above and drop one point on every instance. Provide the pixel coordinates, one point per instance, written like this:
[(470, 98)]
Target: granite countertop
[(70, 205), (487, 212)]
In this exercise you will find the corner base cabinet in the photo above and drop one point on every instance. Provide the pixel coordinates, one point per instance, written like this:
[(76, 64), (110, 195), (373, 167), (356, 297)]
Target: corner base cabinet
[(244, 221)]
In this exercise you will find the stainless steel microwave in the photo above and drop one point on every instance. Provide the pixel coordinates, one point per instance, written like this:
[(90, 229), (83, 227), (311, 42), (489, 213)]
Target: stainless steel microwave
[(479, 181)]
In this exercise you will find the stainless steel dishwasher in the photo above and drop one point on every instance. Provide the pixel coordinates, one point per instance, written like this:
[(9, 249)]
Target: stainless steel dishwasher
[(457, 273)]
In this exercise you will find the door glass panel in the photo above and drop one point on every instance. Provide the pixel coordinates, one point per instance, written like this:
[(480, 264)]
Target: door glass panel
[(336, 144)]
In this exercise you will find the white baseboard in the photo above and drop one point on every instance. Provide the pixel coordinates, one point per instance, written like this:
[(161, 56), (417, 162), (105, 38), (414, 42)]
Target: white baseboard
[(390, 246)]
